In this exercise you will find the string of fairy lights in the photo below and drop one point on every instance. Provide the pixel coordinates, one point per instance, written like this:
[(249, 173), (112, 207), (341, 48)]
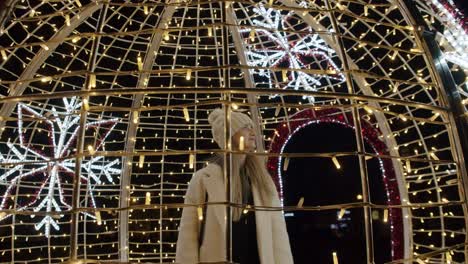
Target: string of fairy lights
[(452, 39), (288, 45)]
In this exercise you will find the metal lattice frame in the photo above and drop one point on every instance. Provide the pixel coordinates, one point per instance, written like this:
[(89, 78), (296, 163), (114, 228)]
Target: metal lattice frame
[(158, 68)]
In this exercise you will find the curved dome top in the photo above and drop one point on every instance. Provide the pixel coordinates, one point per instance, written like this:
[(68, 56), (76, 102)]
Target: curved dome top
[(140, 77)]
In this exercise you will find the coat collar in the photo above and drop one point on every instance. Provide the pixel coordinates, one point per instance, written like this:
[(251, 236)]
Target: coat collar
[(214, 184)]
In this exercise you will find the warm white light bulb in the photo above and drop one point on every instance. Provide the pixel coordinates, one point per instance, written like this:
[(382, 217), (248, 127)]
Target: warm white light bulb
[(341, 214), (91, 149), (92, 81), (139, 63), (336, 162), (98, 218), (141, 161), (67, 20), (335, 258), (191, 161), (252, 34), (200, 213), (186, 114), (241, 143), (4, 54), (148, 198), (135, 117)]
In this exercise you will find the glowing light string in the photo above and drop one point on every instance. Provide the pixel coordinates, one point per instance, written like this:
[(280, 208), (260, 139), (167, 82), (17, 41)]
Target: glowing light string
[(52, 173), (455, 31), (371, 135), (283, 49)]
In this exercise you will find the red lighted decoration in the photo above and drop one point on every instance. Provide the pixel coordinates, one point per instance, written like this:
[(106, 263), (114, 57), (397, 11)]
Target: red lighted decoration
[(370, 135)]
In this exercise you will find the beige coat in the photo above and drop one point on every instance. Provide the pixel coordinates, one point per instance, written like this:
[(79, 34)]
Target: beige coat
[(272, 236)]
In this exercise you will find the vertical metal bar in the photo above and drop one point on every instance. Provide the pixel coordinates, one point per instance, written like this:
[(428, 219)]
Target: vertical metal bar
[(449, 95), (13, 220), (227, 132), (248, 77), (80, 143), (359, 140), (127, 161)]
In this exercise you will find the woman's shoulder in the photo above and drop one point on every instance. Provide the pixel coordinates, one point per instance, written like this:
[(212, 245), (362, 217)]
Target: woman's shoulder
[(211, 169)]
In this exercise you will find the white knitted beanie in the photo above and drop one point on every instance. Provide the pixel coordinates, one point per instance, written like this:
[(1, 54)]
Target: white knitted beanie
[(216, 120)]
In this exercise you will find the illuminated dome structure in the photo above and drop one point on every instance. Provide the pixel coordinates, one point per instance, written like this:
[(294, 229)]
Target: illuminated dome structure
[(104, 104)]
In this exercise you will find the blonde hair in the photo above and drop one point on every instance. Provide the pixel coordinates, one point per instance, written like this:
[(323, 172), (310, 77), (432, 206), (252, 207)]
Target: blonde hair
[(256, 171)]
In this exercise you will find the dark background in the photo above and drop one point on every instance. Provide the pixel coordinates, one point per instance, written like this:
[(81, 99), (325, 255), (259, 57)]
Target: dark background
[(462, 5), (319, 233)]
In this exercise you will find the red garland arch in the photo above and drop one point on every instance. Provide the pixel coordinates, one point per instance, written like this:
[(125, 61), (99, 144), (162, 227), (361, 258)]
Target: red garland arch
[(371, 136)]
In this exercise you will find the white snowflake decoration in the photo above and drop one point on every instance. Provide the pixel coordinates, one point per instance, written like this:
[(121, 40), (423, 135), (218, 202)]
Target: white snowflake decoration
[(49, 169), (289, 51), (454, 33)]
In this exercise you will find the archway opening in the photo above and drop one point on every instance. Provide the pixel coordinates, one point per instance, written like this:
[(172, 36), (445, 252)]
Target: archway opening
[(316, 234)]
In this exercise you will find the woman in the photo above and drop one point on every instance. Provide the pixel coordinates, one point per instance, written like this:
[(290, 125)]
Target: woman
[(258, 236)]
